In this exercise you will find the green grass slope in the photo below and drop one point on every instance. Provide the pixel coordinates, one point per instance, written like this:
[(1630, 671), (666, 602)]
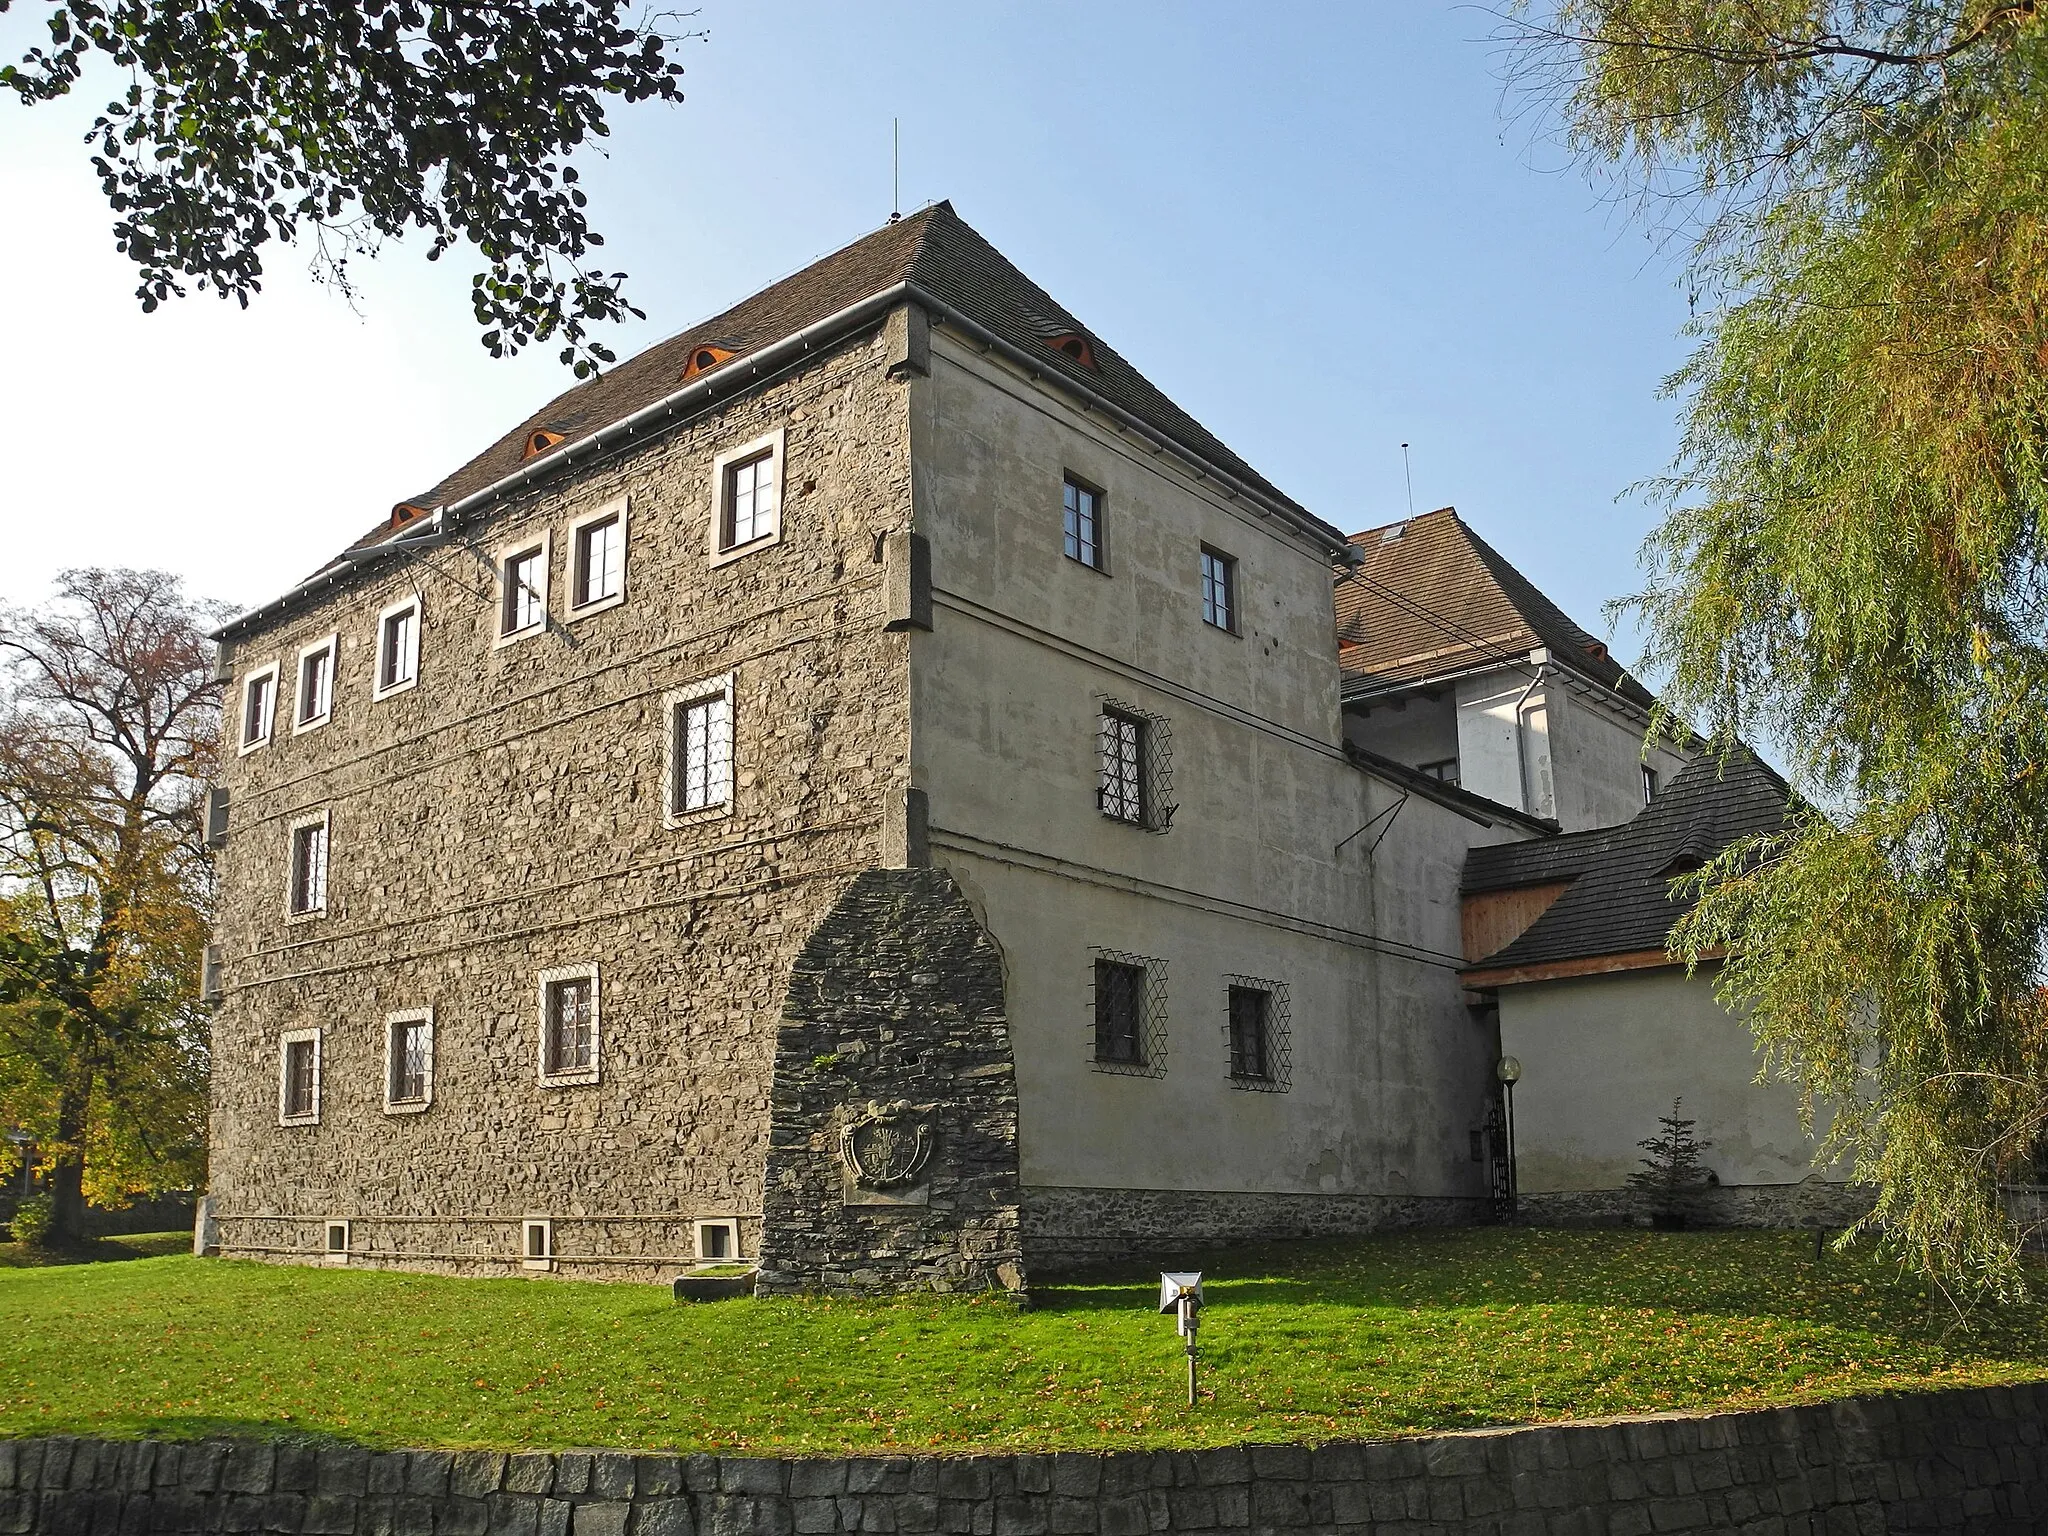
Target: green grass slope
[(1411, 1332)]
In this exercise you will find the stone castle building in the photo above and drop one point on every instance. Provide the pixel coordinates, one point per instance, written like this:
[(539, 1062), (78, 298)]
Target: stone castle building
[(870, 789)]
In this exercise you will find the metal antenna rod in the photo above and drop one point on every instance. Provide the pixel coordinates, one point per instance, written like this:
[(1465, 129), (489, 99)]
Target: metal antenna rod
[(1408, 470), (895, 169)]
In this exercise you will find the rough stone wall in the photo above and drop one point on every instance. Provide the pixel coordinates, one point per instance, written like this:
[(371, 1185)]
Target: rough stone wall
[(892, 1160), (1957, 1461), (1067, 1229), (505, 816), (1813, 1202)]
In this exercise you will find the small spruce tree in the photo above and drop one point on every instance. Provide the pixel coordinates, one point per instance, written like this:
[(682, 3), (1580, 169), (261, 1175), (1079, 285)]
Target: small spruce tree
[(1673, 1177)]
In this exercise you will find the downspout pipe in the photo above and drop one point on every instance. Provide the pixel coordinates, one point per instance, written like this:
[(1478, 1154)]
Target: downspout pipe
[(1522, 736)]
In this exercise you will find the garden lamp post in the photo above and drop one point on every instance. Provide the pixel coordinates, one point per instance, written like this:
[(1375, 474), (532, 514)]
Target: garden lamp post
[(1509, 1071), (20, 1140), (1181, 1294)]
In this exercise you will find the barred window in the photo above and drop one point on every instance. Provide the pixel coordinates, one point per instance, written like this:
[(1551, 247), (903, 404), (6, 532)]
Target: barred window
[(1082, 511), (1219, 589), (298, 1077), (700, 749), (1135, 767), (307, 891), (1257, 1034), (409, 1060), (1248, 1032), (1119, 1013), (1129, 1013), (571, 1025), (1122, 796)]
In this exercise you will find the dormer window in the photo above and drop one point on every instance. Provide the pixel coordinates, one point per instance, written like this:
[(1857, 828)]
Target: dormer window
[(540, 442), (703, 360), (1075, 347)]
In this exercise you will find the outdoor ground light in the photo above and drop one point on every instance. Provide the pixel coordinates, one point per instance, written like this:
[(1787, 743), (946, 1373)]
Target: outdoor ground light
[(1180, 1292)]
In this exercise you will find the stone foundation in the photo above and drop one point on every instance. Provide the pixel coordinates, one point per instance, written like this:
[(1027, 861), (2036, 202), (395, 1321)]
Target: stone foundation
[(892, 1149), (1067, 1229), (1931, 1462), (1811, 1203)]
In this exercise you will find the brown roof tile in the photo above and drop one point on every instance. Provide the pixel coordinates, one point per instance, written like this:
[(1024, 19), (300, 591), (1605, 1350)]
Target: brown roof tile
[(1432, 598)]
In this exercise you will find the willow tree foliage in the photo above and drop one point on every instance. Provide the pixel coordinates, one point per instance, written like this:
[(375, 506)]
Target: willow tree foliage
[(1852, 558), (109, 728), (346, 123)]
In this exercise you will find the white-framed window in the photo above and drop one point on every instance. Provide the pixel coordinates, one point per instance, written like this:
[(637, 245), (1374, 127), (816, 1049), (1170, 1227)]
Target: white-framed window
[(1219, 590), (522, 589), (398, 648), (259, 707), (699, 752), (569, 1025), (746, 498), (313, 704), (298, 1077), (305, 892), (718, 1240), (336, 1250), (597, 559), (408, 1061), (537, 1243), (1081, 517)]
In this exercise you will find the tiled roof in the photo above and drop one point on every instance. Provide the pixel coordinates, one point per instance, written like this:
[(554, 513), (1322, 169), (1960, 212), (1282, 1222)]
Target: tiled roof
[(933, 249), (1620, 901), (1432, 598)]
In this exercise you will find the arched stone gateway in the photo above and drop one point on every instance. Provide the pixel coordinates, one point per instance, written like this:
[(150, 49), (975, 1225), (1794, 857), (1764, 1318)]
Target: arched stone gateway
[(892, 1148)]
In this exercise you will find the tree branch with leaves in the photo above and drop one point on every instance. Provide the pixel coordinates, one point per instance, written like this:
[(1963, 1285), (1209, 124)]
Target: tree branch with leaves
[(347, 123), (1853, 562)]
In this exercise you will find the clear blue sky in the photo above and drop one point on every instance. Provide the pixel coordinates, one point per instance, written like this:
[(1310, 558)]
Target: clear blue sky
[(1320, 228)]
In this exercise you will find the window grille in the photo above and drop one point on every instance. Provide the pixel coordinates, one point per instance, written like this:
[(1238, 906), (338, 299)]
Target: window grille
[(525, 596), (316, 685), (1257, 1034), (1128, 1006), (398, 648), (700, 756), (600, 561), (571, 1025), (1135, 765), (1082, 508), (410, 1052), (309, 868), (298, 1089), (1219, 589), (749, 500)]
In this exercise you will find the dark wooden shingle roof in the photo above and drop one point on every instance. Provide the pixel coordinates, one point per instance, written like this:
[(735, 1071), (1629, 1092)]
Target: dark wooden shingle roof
[(1620, 901)]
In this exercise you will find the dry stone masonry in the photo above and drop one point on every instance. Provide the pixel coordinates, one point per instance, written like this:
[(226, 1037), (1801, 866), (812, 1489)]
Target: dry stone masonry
[(1971, 1461)]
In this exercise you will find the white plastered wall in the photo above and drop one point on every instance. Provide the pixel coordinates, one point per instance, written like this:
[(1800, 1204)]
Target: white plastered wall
[(1603, 1057), (1388, 1065)]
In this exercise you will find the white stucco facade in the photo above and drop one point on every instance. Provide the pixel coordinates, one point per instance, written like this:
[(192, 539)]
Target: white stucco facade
[(1604, 1056)]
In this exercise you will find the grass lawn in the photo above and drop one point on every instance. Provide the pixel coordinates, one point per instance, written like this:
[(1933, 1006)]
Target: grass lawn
[(1417, 1331), (97, 1250)]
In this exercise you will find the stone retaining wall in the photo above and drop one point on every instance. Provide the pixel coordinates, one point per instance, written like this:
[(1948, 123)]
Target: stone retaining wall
[(1936, 1462)]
